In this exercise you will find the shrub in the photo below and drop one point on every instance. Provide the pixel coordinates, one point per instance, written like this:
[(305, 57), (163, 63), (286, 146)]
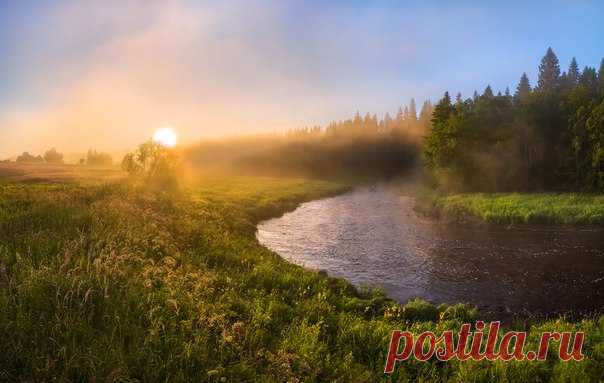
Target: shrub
[(53, 157)]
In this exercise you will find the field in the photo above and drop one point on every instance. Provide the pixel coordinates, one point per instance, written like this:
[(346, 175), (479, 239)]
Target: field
[(548, 208), (32, 172), (114, 282)]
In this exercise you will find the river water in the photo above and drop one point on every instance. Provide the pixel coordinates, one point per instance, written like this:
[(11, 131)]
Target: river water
[(371, 236)]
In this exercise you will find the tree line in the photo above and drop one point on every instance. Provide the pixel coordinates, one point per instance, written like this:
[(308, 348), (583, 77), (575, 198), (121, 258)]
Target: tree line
[(550, 137), (359, 147), (52, 156)]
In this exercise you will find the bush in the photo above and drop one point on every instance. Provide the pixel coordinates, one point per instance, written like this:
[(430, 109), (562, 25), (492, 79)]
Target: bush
[(53, 157)]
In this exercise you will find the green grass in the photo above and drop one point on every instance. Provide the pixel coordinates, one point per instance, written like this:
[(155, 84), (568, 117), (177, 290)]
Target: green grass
[(564, 208), (114, 283)]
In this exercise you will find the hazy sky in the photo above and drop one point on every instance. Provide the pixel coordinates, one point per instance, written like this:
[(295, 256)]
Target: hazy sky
[(106, 74)]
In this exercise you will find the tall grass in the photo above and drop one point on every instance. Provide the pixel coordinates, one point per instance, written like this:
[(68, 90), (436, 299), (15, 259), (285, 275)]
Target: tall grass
[(112, 283)]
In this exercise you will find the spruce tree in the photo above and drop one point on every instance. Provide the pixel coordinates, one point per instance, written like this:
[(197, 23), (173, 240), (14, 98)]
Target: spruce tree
[(425, 114), (589, 79), (523, 89), (572, 77), (443, 109), (549, 72), (412, 110)]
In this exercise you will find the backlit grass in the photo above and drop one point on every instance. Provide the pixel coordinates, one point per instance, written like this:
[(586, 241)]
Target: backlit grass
[(115, 283), (564, 208)]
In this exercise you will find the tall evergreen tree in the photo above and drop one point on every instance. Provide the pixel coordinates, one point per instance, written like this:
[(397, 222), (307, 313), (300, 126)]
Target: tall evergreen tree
[(412, 110), (572, 77), (443, 109), (523, 89), (549, 72), (425, 114), (507, 91), (589, 79)]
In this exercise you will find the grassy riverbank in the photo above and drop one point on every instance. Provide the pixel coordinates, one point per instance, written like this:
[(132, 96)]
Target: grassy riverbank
[(563, 208), (111, 282)]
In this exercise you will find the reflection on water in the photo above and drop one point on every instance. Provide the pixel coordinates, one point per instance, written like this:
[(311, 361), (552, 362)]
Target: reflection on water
[(372, 236)]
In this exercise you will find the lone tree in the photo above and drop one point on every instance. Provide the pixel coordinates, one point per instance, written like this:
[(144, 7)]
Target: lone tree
[(53, 157), (153, 162), (549, 72)]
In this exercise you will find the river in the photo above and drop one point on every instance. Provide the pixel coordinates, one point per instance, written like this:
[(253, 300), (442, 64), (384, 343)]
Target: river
[(371, 236)]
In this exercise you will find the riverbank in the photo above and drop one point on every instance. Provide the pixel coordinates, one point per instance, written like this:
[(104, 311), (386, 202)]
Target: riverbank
[(116, 283), (517, 208)]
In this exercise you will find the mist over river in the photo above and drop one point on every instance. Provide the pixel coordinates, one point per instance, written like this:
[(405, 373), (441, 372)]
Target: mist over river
[(372, 236)]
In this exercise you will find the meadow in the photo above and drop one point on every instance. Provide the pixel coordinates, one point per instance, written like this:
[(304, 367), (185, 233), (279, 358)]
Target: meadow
[(112, 281), (517, 208)]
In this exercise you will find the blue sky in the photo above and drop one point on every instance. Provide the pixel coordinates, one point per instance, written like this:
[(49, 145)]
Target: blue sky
[(74, 74)]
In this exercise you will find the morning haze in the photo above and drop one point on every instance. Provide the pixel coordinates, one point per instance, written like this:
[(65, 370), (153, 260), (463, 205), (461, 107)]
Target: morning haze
[(108, 74)]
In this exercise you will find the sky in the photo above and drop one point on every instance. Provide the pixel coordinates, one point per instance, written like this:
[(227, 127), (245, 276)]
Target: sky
[(83, 74)]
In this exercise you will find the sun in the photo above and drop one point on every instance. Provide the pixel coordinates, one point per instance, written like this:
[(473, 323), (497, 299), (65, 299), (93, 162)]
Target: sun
[(165, 137)]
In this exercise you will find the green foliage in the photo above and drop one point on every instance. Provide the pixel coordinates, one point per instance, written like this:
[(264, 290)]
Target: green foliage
[(543, 139)]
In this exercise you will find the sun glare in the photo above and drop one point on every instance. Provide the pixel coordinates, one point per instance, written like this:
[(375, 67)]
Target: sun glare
[(165, 137)]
